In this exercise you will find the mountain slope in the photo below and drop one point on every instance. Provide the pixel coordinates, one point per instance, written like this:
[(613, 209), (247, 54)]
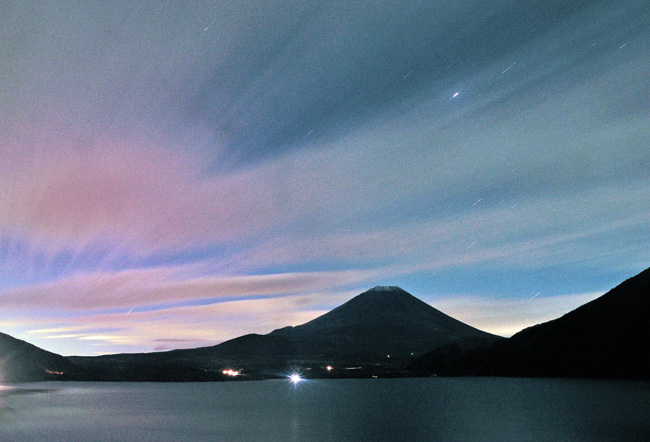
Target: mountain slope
[(381, 321), (24, 362), (607, 337), (365, 330)]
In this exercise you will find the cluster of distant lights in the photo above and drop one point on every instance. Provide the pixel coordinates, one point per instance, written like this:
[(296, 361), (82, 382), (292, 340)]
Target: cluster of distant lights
[(295, 378)]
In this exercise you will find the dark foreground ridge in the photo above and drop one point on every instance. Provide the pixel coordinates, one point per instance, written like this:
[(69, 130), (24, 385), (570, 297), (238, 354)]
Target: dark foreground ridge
[(608, 337), (383, 332), (24, 362)]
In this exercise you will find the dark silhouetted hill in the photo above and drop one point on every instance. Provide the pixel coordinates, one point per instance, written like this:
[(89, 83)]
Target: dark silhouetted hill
[(381, 322), (24, 362), (607, 337)]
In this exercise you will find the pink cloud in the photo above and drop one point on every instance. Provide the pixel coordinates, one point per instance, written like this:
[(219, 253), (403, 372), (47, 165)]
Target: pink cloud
[(141, 200), (147, 287), (192, 326), (178, 327)]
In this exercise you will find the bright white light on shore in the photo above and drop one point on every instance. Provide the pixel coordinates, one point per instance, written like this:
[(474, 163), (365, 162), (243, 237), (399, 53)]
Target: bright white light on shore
[(329, 368), (230, 372), (295, 378)]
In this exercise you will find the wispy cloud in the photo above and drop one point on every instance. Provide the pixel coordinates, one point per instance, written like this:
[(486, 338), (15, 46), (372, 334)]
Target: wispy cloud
[(548, 228), (188, 327), (159, 286), (184, 326), (159, 158)]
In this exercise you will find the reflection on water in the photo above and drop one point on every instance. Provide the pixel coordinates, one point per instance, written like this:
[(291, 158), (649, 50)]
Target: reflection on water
[(6, 410), (382, 409)]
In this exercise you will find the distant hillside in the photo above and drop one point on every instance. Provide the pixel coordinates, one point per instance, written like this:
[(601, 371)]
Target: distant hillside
[(24, 362), (379, 322), (384, 325), (607, 337)]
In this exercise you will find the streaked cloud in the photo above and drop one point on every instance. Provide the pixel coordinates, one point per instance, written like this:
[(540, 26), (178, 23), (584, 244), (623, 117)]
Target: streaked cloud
[(159, 286), (192, 326), (186, 326), (184, 159)]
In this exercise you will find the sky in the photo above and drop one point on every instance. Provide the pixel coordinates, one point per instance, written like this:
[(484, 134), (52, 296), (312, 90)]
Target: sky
[(175, 174)]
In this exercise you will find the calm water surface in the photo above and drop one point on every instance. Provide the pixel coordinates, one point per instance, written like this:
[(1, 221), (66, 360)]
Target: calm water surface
[(374, 409)]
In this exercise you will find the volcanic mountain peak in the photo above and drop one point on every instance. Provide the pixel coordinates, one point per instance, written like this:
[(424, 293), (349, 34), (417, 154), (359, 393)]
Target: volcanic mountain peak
[(388, 297), (386, 288), (383, 301), (382, 312)]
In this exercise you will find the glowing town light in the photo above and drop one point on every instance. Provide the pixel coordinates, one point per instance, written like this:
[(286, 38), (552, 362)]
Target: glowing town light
[(230, 372), (295, 378), (329, 368)]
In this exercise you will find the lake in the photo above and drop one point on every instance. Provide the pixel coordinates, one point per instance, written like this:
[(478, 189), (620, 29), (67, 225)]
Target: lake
[(412, 409)]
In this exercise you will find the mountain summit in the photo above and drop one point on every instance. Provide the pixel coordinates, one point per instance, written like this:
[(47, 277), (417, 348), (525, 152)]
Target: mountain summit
[(380, 322), (384, 325)]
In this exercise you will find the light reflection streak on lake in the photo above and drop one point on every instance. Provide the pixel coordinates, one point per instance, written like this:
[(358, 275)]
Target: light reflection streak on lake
[(363, 409)]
